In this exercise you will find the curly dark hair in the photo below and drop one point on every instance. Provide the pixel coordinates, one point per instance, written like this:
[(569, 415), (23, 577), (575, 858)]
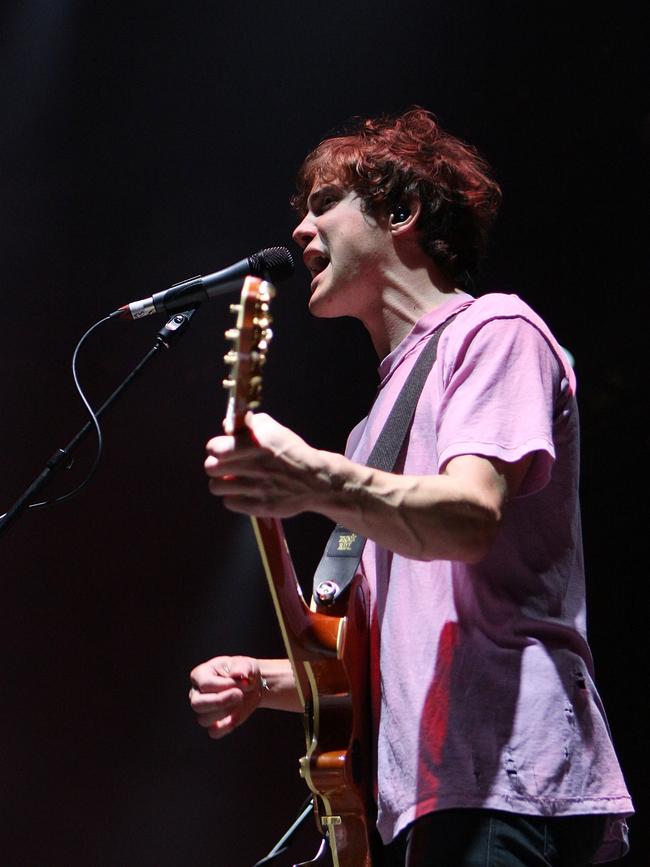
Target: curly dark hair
[(390, 159)]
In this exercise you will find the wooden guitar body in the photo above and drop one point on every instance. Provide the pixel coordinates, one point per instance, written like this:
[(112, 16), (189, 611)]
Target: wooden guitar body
[(329, 655)]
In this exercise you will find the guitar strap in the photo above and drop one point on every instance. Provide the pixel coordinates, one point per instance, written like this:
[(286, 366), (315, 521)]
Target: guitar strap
[(342, 554)]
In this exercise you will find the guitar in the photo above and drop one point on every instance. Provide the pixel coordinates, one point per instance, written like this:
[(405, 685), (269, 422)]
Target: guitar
[(327, 647)]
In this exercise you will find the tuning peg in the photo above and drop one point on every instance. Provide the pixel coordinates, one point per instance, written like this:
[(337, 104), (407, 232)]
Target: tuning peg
[(228, 383), (230, 357), (232, 334), (235, 308)]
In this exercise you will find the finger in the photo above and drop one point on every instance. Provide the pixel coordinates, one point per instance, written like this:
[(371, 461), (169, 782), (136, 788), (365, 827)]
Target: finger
[(209, 708), (269, 434), (250, 684), (240, 486), (220, 445), (218, 469), (260, 423), (255, 424), (253, 506), (227, 447), (218, 666), (255, 464), (209, 681), (223, 727), (246, 671), (216, 703), (214, 683)]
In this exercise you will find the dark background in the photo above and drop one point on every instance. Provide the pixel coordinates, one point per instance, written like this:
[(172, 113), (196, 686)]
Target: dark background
[(143, 143)]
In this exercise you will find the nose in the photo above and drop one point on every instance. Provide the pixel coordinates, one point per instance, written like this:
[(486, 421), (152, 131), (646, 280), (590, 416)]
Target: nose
[(304, 231)]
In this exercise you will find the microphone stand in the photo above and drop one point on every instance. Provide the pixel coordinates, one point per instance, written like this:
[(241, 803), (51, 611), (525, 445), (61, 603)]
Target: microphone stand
[(167, 337)]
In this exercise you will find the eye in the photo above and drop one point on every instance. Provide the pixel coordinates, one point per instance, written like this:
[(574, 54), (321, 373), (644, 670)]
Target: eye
[(325, 201)]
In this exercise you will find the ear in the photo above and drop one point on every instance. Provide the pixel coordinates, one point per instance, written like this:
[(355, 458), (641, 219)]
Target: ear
[(404, 216)]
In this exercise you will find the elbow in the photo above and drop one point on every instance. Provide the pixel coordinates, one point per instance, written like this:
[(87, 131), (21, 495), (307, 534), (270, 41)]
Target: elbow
[(478, 537), (466, 537), (477, 550)]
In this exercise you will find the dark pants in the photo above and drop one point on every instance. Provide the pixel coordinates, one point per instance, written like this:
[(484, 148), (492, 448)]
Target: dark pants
[(491, 838)]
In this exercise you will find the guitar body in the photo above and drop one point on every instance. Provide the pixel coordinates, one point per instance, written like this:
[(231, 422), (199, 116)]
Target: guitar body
[(329, 654), (327, 647), (340, 761)]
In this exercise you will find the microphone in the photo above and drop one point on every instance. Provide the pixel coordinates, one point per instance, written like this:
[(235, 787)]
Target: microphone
[(272, 263)]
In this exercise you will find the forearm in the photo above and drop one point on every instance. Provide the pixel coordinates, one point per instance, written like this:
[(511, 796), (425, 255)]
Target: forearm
[(280, 692), (421, 517), (450, 516)]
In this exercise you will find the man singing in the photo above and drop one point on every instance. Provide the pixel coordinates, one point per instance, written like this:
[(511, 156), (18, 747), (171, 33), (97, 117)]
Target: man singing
[(492, 746)]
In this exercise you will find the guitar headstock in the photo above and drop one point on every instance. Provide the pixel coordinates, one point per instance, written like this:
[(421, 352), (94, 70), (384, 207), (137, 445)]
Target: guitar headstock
[(250, 342)]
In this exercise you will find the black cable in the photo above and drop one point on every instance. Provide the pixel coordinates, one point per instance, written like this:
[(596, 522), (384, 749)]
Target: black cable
[(94, 420)]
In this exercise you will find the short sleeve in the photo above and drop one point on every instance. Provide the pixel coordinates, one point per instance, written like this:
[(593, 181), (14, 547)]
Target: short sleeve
[(499, 385)]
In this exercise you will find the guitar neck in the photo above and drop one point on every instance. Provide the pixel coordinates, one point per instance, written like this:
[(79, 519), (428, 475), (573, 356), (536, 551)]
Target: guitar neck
[(328, 652)]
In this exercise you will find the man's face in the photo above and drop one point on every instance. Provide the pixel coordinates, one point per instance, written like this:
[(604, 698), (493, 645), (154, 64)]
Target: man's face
[(344, 250)]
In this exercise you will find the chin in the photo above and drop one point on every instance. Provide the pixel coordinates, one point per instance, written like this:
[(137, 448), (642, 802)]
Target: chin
[(319, 307), (330, 300)]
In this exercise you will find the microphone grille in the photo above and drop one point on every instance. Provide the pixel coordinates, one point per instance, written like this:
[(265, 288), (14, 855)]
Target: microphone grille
[(272, 263)]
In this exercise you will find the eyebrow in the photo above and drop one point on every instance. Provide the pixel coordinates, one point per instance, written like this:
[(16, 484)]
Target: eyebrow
[(315, 196)]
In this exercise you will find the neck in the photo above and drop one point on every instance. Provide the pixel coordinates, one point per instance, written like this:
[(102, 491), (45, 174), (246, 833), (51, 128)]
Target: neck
[(403, 300)]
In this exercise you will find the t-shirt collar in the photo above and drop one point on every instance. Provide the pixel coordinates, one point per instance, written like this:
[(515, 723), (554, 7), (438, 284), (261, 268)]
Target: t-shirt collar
[(420, 331)]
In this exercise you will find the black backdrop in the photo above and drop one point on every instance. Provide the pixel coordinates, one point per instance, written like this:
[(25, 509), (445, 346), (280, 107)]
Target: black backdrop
[(143, 143)]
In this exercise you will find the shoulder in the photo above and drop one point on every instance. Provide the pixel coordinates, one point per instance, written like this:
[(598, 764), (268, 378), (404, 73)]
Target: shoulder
[(498, 305), (502, 324)]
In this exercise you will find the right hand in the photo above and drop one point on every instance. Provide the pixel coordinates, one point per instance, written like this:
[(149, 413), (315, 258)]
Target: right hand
[(225, 691)]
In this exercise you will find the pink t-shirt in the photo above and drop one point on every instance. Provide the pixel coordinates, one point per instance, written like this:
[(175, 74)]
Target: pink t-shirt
[(482, 676)]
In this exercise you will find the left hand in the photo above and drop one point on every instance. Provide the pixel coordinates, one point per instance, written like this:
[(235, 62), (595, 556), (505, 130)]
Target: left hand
[(275, 475), (225, 692)]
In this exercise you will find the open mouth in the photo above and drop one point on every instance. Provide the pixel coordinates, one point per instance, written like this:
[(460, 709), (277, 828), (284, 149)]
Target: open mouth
[(317, 264)]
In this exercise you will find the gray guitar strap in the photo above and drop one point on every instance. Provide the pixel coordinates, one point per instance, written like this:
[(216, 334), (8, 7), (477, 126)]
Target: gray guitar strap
[(339, 562)]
